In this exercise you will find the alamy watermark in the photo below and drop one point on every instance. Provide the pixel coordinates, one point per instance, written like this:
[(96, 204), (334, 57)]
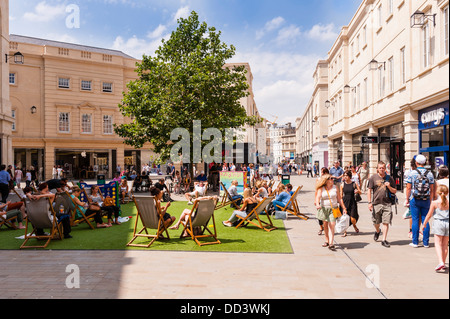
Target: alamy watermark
[(73, 17), (230, 147), (73, 279)]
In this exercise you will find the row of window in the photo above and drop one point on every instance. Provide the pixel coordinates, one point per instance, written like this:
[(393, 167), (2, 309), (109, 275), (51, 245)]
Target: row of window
[(360, 40), (86, 123), (86, 85), (65, 83)]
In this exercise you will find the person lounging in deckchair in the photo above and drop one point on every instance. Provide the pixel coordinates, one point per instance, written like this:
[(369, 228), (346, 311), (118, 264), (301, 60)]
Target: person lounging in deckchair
[(199, 191), (185, 215)]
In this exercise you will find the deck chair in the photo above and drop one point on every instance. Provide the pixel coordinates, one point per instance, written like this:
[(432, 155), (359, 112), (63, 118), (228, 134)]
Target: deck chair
[(198, 222), (8, 222), (75, 220), (41, 215), (292, 206), (226, 199), (255, 214), (151, 218)]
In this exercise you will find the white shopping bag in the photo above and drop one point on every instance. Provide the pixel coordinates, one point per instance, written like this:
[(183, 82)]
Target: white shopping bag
[(342, 223)]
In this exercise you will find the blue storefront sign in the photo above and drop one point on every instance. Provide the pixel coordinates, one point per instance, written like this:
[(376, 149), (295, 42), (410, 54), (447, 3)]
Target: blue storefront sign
[(434, 133)]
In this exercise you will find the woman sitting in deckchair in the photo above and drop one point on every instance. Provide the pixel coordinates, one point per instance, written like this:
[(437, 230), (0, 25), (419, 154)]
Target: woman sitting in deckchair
[(250, 202), (158, 194)]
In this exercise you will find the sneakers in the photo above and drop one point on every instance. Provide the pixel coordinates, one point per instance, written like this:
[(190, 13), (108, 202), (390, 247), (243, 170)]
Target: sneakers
[(190, 203), (414, 245), (376, 236), (385, 243), (441, 266)]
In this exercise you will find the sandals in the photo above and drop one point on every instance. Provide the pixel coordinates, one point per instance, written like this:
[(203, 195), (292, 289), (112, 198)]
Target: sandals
[(325, 245), (332, 247)]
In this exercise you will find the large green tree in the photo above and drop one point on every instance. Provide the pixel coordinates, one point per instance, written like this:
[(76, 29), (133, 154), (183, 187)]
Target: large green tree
[(185, 81)]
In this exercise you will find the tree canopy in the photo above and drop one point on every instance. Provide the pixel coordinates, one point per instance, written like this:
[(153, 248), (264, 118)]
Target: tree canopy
[(186, 80)]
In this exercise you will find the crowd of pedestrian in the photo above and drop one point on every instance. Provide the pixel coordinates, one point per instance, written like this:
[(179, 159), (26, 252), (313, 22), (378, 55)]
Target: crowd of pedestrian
[(338, 193)]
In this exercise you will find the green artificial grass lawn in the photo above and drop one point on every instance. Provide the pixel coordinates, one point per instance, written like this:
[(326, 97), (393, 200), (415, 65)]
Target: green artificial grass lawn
[(246, 239)]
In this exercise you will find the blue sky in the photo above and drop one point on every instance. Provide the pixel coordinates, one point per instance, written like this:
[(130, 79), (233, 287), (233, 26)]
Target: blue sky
[(281, 39)]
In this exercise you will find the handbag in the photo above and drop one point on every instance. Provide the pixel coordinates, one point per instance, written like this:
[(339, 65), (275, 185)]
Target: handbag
[(108, 202), (336, 211)]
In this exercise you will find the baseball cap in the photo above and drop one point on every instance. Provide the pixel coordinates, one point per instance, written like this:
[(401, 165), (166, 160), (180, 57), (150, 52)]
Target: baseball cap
[(420, 159)]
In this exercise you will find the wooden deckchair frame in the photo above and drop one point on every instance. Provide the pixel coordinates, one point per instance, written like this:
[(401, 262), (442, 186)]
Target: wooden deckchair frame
[(292, 206), (139, 234), (254, 214), (55, 229), (226, 199), (189, 226), (8, 222), (84, 219)]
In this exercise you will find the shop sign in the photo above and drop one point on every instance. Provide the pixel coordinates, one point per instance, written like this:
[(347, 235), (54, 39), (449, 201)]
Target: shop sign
[(370, 140), (434, 116)]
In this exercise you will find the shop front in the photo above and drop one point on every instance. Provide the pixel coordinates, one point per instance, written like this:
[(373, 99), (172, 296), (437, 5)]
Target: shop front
[(434, 134)]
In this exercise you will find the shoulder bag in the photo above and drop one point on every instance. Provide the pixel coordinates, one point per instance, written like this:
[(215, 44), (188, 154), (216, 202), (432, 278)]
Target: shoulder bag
[(336, 211)]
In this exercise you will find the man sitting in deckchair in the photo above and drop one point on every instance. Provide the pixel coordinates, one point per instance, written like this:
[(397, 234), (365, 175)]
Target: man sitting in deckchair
[(199, 191)]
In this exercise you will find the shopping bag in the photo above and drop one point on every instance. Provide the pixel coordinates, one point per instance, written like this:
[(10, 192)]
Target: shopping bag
[(407, 214), (342, 223)]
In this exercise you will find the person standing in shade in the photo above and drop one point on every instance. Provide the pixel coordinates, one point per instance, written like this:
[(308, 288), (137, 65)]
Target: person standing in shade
[(363, 172), (379, 203), (336, 174), (419, 194), (5, 178)]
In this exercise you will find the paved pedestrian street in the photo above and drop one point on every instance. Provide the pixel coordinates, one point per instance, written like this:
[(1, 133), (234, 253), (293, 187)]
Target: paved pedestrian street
[(359, 269)]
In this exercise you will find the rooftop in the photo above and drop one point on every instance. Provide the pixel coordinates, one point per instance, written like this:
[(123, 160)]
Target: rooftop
[(66, 45)]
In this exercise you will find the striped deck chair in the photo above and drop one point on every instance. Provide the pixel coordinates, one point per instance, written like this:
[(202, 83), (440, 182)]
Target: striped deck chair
[(151, 219), (292, 206), (226, 199), (198, 222), (41, 215), (255, 214)]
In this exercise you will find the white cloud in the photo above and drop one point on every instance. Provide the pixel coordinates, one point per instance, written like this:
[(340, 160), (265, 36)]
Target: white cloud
[(182, 12), (135, 46), (44, 12), (271, 25), (322, 32), (288, 34), (282, 82), (158, 32)]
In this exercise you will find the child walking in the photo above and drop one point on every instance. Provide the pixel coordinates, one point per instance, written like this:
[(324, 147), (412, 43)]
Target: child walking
[(439, 210)]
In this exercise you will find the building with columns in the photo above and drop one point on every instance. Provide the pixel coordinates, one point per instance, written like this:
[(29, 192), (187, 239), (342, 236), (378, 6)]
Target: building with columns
[(388, 85), (64, 101), (312, 126)]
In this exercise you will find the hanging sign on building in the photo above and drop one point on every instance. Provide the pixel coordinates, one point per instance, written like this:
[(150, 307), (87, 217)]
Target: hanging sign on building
[(370, 140)]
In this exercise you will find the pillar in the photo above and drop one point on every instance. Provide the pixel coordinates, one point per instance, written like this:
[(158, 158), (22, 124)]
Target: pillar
[(411, 129)]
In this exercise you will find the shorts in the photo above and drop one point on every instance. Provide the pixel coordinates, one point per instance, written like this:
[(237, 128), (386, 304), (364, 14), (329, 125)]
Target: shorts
[(326, 215), (382, 214), (440, 227), (166, 216)]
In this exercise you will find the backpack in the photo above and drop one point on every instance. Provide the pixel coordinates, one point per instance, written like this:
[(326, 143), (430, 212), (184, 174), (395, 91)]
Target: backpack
[(393, 199), (421, 188)]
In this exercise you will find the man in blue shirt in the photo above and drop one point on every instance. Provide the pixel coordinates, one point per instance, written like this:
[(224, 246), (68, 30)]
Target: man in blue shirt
[(4, 183), (336, 174), (419, 198)]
